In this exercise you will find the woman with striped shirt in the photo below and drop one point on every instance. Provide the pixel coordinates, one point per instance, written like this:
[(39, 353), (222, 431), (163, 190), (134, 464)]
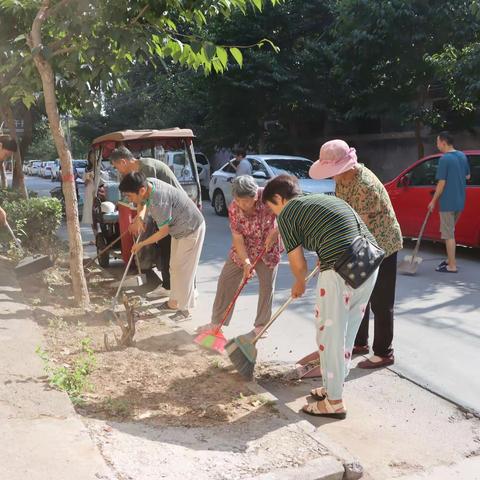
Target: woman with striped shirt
[(326, 225)]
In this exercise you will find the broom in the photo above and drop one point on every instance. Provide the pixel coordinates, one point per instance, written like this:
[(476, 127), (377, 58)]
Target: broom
[(242, 351), (214, 339)]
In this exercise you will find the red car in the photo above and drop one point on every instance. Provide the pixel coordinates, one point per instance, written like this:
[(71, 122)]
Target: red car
[(412, 191)]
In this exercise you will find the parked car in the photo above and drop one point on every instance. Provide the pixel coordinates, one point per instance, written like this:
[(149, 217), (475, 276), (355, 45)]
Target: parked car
[(46, 169), (79, 168), (25, 167), (412, 191), (56, 171), (204, 172), (34, 168), (265, 167)]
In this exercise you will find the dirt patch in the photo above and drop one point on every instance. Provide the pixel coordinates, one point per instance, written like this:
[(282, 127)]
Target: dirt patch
[(164, 379)]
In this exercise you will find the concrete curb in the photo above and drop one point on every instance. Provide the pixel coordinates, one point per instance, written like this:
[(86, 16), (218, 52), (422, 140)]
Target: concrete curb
[(319, 469)]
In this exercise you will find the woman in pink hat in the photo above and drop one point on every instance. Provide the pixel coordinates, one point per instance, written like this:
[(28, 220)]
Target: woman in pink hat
[(365, 193)]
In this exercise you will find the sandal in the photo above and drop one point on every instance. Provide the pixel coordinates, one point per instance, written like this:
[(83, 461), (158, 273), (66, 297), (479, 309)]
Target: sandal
[(318, 393), (331, 411), (444, 269)]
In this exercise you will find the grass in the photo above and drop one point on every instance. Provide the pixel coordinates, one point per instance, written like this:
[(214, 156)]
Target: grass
[(71, 378)]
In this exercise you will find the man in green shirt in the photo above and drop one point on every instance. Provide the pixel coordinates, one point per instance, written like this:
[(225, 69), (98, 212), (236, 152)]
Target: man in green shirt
[(328, 226), (124, 161)]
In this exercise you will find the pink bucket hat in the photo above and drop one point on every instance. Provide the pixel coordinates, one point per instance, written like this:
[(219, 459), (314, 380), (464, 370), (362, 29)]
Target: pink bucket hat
[(336, 157)]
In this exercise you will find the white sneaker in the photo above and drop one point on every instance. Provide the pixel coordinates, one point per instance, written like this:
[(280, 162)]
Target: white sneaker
[(159, 292)]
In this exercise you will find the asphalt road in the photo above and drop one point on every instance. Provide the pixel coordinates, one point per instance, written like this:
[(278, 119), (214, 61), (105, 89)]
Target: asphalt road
[(437, 330)]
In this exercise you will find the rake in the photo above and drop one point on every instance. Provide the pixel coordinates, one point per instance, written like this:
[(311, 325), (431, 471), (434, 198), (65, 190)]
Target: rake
[(213, 339), (242, 350)]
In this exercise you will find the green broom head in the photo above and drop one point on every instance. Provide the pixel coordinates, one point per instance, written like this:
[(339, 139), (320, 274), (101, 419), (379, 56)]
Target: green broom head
[(243, 355), (212, 339)]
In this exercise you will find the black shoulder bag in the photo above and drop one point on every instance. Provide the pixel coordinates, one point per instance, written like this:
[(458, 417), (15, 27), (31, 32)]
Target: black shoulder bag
[(360, 260)]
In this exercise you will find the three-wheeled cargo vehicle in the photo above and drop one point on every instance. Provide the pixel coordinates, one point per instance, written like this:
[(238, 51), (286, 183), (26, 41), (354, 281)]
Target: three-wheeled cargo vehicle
[(111, 221)]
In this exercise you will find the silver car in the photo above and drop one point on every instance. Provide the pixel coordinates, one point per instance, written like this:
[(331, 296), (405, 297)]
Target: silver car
[(265, 167)]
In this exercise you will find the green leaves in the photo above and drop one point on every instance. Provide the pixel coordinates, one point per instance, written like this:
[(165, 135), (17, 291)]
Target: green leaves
[(237, 55)]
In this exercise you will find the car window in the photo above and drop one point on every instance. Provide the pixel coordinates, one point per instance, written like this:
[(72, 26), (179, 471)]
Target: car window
[(297, 167), (201, 159), (228, 168), (474, 161), (179, 159), (424, 174), (80, 163), (257, 166)]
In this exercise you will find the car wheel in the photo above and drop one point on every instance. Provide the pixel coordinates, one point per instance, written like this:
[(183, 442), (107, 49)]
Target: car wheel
[(219, 203), (104, 259)]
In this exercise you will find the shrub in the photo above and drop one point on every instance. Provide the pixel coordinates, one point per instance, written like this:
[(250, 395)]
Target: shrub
[(34, 221), (9, 195)]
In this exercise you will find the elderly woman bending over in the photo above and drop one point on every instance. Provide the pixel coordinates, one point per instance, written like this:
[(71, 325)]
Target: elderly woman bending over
[(254, 230)]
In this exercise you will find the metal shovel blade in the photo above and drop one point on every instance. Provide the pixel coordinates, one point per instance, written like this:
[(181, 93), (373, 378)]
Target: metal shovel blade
[(409, 265), (32, 265), (132, 281)]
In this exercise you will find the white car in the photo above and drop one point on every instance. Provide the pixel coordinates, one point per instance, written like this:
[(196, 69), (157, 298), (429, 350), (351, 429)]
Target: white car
[(34, 168), (56, 170), (79, 167), (265, 167), (46, 169), (203, 168)]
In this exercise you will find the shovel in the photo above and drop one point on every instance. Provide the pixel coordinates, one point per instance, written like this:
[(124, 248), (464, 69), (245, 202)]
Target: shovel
[(410, 263), (136, 281), (29, 265)]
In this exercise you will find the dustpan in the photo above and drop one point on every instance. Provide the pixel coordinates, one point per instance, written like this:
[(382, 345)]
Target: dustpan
[(31, 264)]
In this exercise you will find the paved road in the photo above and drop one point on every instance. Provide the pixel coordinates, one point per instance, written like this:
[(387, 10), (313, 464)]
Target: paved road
[(437, 338)]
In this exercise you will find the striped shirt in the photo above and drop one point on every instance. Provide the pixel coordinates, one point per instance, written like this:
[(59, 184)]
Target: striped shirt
[(320, 223)]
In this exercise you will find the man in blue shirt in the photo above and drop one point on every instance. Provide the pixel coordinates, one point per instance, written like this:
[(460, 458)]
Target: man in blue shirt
[(452, 174)]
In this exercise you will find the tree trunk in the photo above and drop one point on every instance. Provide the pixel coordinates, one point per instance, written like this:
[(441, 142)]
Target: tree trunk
[(18, 180), (47, 76), (3, 176), (419, 139)]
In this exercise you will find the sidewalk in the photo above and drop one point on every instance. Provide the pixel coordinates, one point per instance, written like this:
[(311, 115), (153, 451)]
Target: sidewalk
[(41, 436)]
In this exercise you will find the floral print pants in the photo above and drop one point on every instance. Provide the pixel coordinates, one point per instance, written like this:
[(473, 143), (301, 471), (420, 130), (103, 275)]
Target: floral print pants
[(339, 311)]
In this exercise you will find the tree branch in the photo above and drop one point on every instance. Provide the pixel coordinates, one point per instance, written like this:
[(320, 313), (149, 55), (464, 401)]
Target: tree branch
[(63, 51), (137, 18), (53, 11), (57, 44), (35, 37)]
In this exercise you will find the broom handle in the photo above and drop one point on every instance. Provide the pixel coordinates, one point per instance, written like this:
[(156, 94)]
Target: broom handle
[(126, 271), (283, 307), (108, 247), (237, 293), (15, 239), (420, 235)]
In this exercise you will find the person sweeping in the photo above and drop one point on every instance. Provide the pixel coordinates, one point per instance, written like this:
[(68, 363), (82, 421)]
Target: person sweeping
[(348, 257), (254, 234), (176, 215)]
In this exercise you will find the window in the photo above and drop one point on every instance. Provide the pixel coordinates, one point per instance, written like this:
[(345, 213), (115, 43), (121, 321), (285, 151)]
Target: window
[(201, 159), (258, 166), (424, 175), (297, 167), (228, 168), (179, 159), (474, 161)]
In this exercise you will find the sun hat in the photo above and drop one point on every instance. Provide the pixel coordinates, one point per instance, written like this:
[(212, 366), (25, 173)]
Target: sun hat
[(336, 157)]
